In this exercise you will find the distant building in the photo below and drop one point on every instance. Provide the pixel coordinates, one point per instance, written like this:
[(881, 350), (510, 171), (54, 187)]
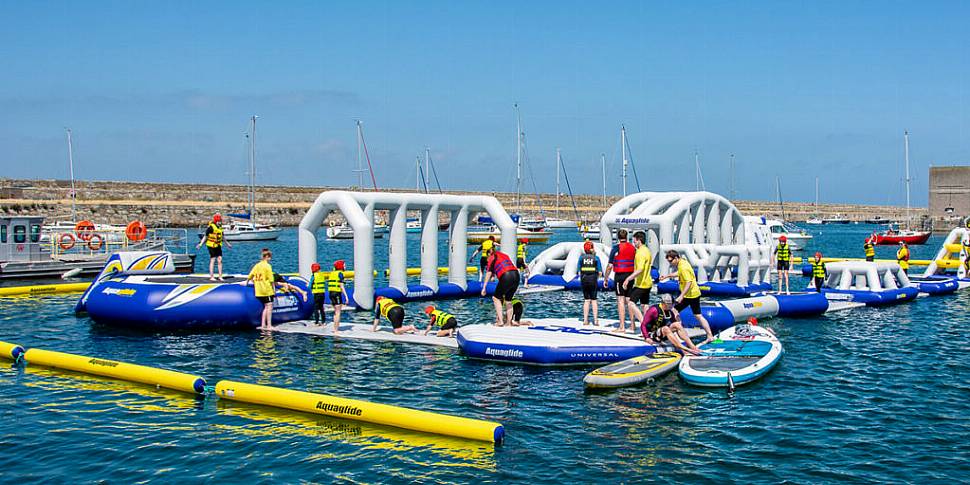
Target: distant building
[(949, 195)]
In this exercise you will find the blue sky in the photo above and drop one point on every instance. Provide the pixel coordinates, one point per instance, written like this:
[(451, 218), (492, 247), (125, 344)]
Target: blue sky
[(161, 91)]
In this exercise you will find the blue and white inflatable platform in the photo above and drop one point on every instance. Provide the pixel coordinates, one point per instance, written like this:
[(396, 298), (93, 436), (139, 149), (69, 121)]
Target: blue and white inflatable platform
[(871, 283), (137, 290)]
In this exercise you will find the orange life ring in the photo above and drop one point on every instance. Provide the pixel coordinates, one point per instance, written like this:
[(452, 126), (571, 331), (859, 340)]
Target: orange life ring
[(84, 230), (136, 231), (66, 241), (95, 241)]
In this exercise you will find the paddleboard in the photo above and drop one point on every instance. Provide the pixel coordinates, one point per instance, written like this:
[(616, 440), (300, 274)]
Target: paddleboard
[(361, 331), (538, 289), (741, 354), (633, 371)]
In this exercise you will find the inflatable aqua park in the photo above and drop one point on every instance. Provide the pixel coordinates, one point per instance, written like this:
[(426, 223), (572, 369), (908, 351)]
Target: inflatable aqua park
[(138, 290), (871, 283)]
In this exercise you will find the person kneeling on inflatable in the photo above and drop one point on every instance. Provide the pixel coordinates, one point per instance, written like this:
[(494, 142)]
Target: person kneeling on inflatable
[(661, 322), (394, 313), (446, 323)]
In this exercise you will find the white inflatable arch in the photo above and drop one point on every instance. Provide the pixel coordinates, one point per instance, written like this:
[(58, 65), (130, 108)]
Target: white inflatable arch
[(358, 208), (704, 227), (865, 275)]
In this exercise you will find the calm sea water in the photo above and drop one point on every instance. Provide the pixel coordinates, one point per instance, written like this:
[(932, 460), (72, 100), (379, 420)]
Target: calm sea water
[(871, 395)]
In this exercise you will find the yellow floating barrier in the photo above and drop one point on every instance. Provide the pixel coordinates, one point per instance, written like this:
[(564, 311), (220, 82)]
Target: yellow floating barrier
[(117, 370), (10, 351), (912, 262), (441, 270), (339, 407), (39, 290)]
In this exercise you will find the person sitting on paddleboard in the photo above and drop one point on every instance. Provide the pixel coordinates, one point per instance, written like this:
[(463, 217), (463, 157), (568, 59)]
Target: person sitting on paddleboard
[(394, 313), (446, 323), (661, 322)]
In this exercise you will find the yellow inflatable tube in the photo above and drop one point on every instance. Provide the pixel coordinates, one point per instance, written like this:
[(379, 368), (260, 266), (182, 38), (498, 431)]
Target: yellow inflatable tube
[(362, 411), (441, 270), (118, 370), (10, 351), (38, 290)]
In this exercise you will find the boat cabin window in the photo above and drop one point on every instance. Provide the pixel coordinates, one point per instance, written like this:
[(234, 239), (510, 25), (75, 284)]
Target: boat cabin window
[(3, 234), (35, 233), (19, 234), (777, 229)]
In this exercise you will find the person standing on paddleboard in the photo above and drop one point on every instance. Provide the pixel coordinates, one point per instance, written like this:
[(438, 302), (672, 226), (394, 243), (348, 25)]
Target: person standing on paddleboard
[(621, 263), (589, 273), (501, 267), (690, 293), (661, 322)]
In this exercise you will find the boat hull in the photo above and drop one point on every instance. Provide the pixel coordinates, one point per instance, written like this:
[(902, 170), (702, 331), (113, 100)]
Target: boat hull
[(884, 239)]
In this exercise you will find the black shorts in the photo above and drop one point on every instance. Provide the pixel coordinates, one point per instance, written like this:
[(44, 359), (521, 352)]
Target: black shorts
[(640, 296), (336, 298), (215, 252), (517, 310), (449, 324), (784, 265), (265, 299), (590, 289), (506, 286), (870, 258), (396, 316), (619, 278), (318, 300), (520, 263), (693, 303), (482, 263)]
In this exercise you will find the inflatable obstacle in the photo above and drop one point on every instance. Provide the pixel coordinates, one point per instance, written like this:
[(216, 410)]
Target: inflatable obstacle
[(40, 290), (362, 411), (872, 283), (117, 370), (137, 290)]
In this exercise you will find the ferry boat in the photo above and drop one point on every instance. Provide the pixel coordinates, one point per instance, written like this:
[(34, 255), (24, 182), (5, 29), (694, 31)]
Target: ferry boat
[(24, 254)]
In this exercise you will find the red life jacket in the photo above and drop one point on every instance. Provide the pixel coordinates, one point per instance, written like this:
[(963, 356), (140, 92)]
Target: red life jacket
[(625, 254), (499, 264)]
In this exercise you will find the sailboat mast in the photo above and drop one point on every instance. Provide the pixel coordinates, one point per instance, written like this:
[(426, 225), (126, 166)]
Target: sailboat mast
[(70, 162), (252, 172), (626, 162), (427, 169), (417, 174), (558, 165), (360, 168), (816, 195), (733, 187), (906, 150), (603, 165), (518, 159)]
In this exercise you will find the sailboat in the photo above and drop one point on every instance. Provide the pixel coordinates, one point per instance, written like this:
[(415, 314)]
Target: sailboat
[(815, 219), (797, 238), (529, 229), (558, 222), (344, 231), (894, 235), (243, 226)]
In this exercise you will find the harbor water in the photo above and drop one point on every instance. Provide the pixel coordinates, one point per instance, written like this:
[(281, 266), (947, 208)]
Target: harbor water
[(868, 395)]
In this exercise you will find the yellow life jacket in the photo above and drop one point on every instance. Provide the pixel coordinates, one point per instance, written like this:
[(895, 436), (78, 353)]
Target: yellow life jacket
[(902, 257), (520, 252), (784, 252), (319, 283), (818, 269), (386, 305), (439, 317), (870, 249), (334, 281), (214, 238)]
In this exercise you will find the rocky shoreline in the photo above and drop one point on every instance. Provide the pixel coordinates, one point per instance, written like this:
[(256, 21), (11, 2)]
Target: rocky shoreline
[(189, 205)]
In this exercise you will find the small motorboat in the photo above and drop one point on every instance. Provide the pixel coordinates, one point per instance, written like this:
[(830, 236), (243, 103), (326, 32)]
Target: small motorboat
[(344, 231), (797, 238)]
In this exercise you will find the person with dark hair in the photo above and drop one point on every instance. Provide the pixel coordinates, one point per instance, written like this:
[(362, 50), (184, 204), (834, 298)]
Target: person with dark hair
[(690, 293), (621, 263), (500, 266), (589, 273), (641, 279)]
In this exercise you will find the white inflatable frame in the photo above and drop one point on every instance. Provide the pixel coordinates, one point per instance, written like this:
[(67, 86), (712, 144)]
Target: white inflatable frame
[(704, 227), (865, 276), (358, 208)]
